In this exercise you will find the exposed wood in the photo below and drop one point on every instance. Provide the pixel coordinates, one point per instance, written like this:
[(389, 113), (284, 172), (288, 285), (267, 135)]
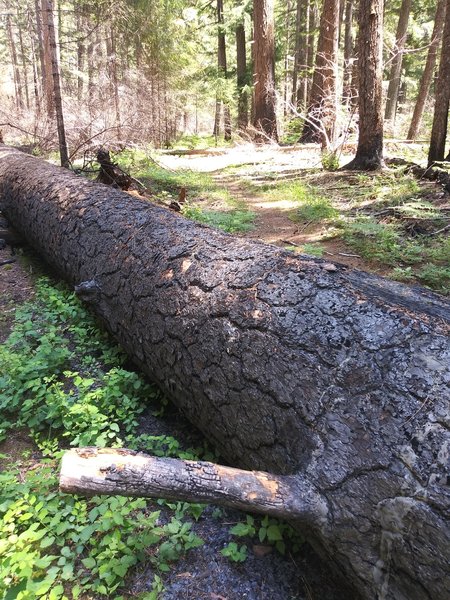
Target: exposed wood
[(92, 471), (290, 365)]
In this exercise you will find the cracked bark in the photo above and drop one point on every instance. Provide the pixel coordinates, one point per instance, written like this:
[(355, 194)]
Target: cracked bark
[(308, 370)]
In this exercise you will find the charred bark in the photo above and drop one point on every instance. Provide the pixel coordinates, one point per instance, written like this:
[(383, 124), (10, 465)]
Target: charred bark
[(110, 173), (289, 364)]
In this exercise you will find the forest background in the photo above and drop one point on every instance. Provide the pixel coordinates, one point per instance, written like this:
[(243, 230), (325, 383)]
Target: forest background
[(151, 71)]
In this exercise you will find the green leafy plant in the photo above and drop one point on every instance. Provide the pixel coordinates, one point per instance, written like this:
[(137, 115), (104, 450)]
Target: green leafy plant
[(234, 552), (330, 161), (246, 528), (50, 542)]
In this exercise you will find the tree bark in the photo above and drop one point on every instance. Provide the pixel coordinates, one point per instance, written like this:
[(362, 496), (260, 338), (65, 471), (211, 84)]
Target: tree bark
[(287, 52), (221, 102), (427, 75), (321, 118), (47, 57), (369, 153), (288, 364), (15, 64), (242, 78), (264, 118), (24, 66), (47, 6), (397, 59), (442, 97), (313, 19), (348, 91), (300, 72)]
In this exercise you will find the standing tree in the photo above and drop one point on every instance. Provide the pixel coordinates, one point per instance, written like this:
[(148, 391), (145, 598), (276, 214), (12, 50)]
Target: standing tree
[(264, 118), (47, 9), (348, 91), (15, 63), (241, 75), (396, 67), (442, 97), (222, 77), (299, 75), (369, 153), (427, 75), (321, 118)]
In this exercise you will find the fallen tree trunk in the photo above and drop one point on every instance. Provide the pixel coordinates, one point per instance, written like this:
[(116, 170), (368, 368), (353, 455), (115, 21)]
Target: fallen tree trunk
[(288, 364)]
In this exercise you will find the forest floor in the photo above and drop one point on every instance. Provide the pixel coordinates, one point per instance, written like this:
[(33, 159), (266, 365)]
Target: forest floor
[(386, 222)]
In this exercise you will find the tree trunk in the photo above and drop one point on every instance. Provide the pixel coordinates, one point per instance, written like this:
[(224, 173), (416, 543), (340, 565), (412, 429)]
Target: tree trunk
[(442, 97), (40, 45), (222, 77), (82, 26), (24, 66), (310, 53), (427, 75), (396, 67), (348, 91), (15, 64), (287, 52), (242, 78), (112, 68), (300, 71), (47, 56), (369, 153), (289, 364), (321, 119), (264, 119), (47, 6)]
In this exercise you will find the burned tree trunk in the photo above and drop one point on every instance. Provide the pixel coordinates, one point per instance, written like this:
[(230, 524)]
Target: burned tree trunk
[(110, 173), (292, 365)]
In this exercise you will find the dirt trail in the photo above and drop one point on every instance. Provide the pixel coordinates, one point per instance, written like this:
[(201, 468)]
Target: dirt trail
[(243, 169)]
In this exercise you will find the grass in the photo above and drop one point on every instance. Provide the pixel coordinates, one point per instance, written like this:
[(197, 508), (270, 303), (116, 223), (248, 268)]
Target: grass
[(386, 217), (202, 193)]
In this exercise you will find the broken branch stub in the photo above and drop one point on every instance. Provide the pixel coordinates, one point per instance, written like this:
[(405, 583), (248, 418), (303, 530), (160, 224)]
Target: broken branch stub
[(329, 375), (91, 471)]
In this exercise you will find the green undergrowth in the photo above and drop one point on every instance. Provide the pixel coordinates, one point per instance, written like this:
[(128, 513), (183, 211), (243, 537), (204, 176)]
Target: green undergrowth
[(237, 220), (199, 142), (206, 202), (386, 218), (64, 381)]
